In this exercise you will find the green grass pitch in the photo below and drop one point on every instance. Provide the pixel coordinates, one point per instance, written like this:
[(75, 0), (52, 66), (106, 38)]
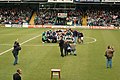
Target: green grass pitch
[(36, 59)]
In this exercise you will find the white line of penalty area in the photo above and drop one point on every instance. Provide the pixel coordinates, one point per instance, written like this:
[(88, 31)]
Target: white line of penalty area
[(93, 40), (42, 44), (51, 44), (20, 44), (17, 34)]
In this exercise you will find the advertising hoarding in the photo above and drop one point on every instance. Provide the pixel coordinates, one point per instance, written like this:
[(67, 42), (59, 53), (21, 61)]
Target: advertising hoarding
[(10, 0), (61, 1), (36, 0), (110, 0), (87, 0)]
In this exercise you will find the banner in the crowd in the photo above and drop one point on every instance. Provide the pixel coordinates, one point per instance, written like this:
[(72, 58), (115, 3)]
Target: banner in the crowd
[(96, 0), (10, 0), (35, 0), (61, 1), (77, 0), (110, 0), (14, 0), (69, 23), (87, 0), (90, 0), (62, 15), (83, 0)]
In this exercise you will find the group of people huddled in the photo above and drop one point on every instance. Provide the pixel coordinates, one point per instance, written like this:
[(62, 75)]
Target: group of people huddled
[(69, 35), (64, 38)]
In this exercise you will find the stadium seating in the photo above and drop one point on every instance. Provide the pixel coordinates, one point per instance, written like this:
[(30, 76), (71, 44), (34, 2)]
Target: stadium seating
[(11, 15)]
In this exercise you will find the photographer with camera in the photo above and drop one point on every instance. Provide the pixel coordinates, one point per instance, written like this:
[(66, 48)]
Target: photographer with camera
[(15, 51), (109, 54)]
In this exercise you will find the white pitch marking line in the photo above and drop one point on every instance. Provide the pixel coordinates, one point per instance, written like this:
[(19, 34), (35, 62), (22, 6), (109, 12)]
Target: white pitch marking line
[(47, 44), (6, 44), (16, 34), (94, 40), (42, 45), (20, 44)]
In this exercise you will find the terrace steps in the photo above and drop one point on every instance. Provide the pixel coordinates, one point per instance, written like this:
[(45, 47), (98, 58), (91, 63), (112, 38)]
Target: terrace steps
[(84, 19), (32, 19)]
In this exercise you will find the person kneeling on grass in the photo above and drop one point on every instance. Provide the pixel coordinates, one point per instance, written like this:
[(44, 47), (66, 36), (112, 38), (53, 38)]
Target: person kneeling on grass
[(80, 37), (70, 48), (67, 48), (45, 39), (73, 49)]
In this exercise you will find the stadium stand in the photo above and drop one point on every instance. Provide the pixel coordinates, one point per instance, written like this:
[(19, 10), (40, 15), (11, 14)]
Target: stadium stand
[(51, 17), (103, 17), (90, 17), (15, 15), (80, 15)]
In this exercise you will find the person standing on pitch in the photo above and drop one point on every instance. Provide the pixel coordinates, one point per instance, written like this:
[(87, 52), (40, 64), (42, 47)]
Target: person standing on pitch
[(15, 51), (75, 34), (109, 54), (17, 75), (66, 45), (61, 45)]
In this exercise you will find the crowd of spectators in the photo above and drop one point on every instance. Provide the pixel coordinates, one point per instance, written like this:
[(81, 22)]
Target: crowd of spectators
[(12, 15), (95, 17), (75, 16), (45, 16), (103, 17), (51, 17)]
